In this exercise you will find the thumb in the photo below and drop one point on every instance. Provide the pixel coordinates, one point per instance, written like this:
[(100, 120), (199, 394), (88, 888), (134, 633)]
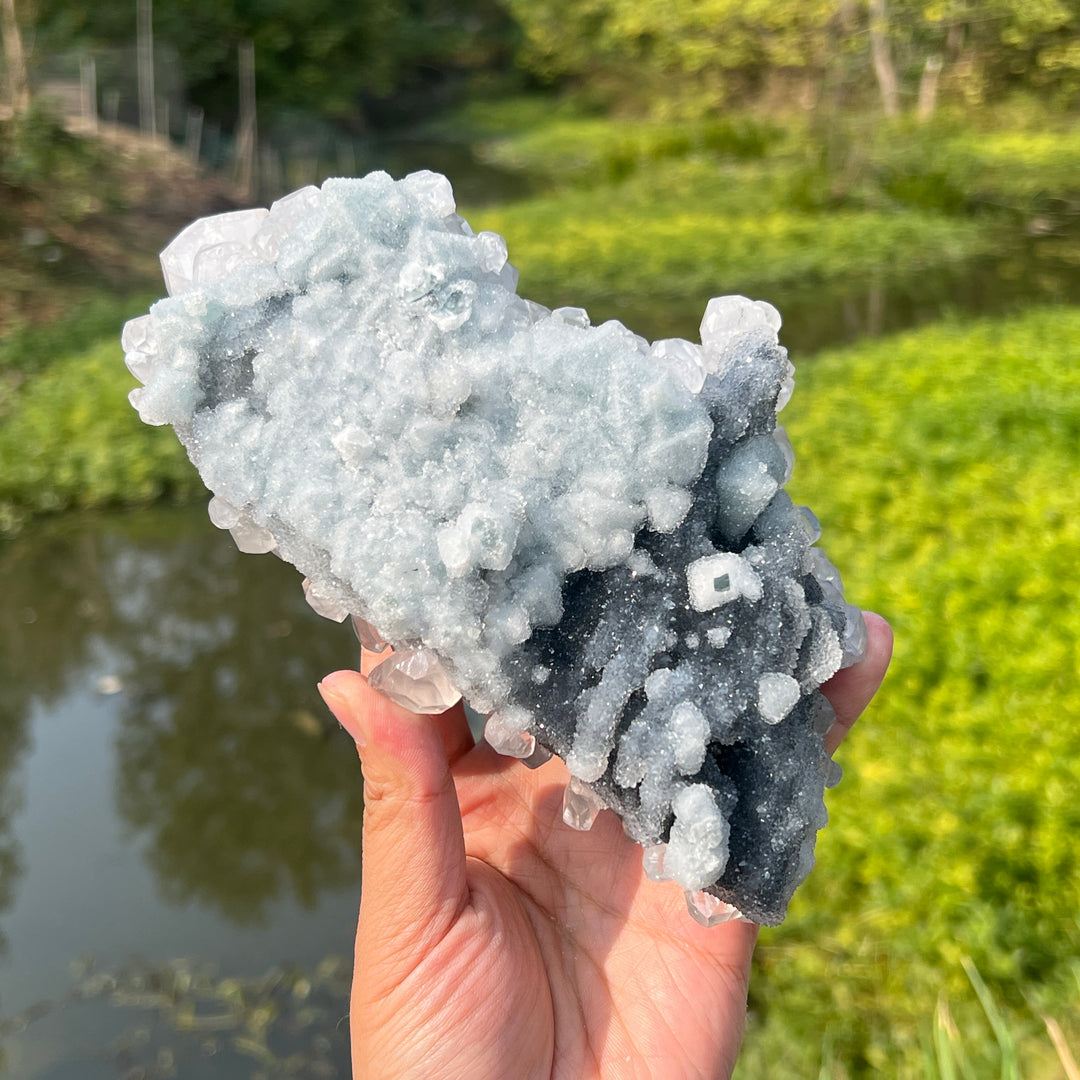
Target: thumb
[(414, 881)]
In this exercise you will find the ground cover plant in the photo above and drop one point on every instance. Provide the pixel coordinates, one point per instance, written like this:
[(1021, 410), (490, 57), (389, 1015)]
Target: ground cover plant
[(942, 464), (70, 440)]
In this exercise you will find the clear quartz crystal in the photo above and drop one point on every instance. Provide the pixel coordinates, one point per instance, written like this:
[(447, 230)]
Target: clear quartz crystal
[(580, 805), (178, 259), (415, 679), (683, 359), (810, 523), (856, 638), (222, 513), (780, 437), (833, 774), (572, 316), (135, 333), (507, 737), (432, 191), (145, 404), (368, 636), (329, 607), (822, 714), (652, 862), (492, 251), (140, 365), (251, 538), (710, 911), (787, 388)]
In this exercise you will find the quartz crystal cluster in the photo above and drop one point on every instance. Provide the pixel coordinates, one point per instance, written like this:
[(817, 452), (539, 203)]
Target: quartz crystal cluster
[(585, 534)]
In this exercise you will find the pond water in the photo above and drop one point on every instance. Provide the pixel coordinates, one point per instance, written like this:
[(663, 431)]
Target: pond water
[(1024, 271), (172, 793)]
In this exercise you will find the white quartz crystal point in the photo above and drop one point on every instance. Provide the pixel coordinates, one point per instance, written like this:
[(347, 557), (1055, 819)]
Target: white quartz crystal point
[(222, 513), (572, 316), (580, 805), (415, 679), (323, 603), (507, 732), (251, 538), (178, 260), (492, 249), (781, 438), (727, 322), (822, 714), (139, 348), (432, 191), (285, 214), (710, 910), (683, 359)]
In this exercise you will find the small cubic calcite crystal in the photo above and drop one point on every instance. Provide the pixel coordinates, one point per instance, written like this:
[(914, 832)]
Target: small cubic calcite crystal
[(585, 535)]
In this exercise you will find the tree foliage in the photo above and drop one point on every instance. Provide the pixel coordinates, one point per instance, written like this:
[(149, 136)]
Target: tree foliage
[(320, 55), (712, 48)]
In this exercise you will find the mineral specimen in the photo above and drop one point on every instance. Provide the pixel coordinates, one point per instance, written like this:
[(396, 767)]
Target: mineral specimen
[(584, 534)]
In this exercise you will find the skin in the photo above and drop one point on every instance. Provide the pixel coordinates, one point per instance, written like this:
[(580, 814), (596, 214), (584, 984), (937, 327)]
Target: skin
[(495, 942)]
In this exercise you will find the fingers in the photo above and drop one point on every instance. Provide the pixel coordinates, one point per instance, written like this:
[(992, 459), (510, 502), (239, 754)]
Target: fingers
[(414, 850), (850, 691)]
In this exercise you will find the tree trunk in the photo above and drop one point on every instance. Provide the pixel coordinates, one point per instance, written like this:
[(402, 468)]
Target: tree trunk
[(247, 141), (882, 58), (928, 86), (18, 82)]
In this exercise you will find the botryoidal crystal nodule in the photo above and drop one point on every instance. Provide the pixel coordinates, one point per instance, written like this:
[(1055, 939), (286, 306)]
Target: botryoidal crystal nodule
[(585, 535)]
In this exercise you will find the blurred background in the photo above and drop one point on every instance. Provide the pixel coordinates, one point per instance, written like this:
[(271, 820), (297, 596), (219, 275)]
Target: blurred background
[(179, 819)]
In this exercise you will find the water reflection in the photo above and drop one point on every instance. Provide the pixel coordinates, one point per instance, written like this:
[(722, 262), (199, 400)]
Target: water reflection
[(818, 315), (228, 773), (223, 756)]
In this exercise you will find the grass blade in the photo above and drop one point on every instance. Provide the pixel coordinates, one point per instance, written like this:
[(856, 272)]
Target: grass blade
[(945, 1035), (1057, 1037), (1010, 1066)]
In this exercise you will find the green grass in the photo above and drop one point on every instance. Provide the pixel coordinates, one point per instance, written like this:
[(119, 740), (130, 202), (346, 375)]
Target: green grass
[(942, 464)]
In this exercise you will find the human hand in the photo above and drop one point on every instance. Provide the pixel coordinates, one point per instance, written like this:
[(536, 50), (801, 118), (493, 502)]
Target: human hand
[(495, 942)]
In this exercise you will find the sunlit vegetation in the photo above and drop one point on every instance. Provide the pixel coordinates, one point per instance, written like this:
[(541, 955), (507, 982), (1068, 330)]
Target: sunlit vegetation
[(940, 464)]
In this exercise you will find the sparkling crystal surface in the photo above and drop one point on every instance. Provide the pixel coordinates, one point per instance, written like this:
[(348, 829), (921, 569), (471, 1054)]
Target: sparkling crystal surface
[(586, 536)]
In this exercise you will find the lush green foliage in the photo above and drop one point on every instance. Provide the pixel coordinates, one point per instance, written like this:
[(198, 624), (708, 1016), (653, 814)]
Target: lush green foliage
[(941, 463), (72, 440), (698, 55), (688, 227), (28, 348)]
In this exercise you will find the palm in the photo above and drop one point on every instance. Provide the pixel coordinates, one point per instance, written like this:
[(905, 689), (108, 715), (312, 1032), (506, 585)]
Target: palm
[(627, 973), (501, 943)]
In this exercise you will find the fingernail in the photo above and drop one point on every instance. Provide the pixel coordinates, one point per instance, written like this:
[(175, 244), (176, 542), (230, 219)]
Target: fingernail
[(339, 705)]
